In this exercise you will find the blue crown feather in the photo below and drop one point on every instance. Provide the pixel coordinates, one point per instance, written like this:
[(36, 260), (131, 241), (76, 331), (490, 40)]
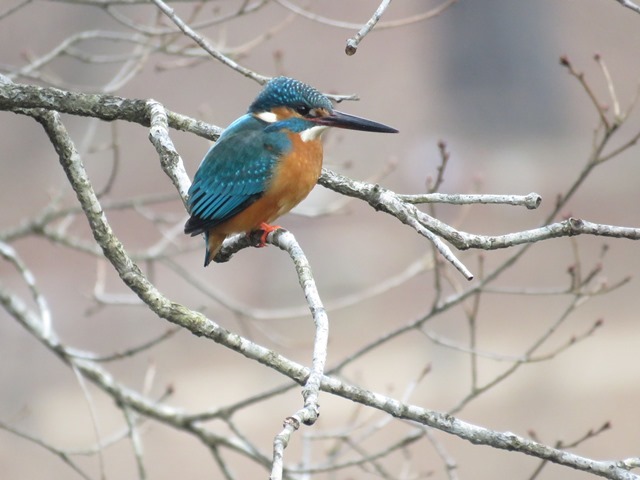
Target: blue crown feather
[(284, 91)]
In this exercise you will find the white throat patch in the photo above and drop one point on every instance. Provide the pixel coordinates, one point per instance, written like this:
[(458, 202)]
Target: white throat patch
[(312, 133), (268, 117)]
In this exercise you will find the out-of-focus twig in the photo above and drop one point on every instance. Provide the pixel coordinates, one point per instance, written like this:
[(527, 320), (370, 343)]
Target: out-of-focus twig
[(202, 42)]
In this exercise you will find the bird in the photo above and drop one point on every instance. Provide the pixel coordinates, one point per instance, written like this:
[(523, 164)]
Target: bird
[(264, 163)]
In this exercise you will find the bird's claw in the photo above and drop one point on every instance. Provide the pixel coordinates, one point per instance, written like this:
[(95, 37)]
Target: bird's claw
[(266, 230)]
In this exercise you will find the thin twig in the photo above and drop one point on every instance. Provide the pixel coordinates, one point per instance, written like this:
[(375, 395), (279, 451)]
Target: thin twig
[(353, 42), (629, 4), (204, 44), (564, 61), (380, 26), (64, 456)]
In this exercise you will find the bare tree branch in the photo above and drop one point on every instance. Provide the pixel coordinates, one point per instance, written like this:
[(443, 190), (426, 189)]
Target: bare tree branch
[(379, 26), (477, 435), (204, 44), (629, 4), (353, 42), (17, 98)]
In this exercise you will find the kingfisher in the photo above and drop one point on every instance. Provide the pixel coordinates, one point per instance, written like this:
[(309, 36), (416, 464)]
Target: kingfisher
[(264, 163)]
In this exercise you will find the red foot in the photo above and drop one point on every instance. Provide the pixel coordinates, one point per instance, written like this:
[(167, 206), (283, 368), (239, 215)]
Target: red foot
[(266, 230)]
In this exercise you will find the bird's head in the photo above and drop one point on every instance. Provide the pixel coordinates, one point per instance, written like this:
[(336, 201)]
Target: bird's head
[(305, 110)]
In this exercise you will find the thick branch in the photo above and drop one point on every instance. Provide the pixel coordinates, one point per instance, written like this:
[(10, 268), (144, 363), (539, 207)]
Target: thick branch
[(389, 202), (18, 97)]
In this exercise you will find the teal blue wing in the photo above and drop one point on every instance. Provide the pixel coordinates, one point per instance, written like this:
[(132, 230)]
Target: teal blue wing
[(234, 173)]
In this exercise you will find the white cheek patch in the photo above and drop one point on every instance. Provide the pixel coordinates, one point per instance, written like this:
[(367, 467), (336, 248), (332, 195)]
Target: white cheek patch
[(312, 133), (268, 117)]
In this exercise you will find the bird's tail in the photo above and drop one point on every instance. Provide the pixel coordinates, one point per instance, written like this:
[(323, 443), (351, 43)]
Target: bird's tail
[(194, 226), (214, 242)]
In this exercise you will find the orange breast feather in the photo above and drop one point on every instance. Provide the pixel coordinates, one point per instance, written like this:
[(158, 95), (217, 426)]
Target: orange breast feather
[(294, 177)]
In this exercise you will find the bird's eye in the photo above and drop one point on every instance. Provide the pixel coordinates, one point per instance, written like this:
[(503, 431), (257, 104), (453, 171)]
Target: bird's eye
[(302, 109)]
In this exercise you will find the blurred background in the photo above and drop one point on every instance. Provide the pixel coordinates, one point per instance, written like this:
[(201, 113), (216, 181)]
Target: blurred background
[(484, 77)]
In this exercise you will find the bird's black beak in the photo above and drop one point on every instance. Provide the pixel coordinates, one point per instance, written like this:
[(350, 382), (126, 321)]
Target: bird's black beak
[(351, 122)]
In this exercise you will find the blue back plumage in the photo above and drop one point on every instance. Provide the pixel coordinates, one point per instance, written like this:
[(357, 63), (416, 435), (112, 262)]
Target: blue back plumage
[(234, 173)]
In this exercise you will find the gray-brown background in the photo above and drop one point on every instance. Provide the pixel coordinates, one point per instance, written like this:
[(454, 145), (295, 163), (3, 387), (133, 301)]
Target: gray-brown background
[(485, 77)]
